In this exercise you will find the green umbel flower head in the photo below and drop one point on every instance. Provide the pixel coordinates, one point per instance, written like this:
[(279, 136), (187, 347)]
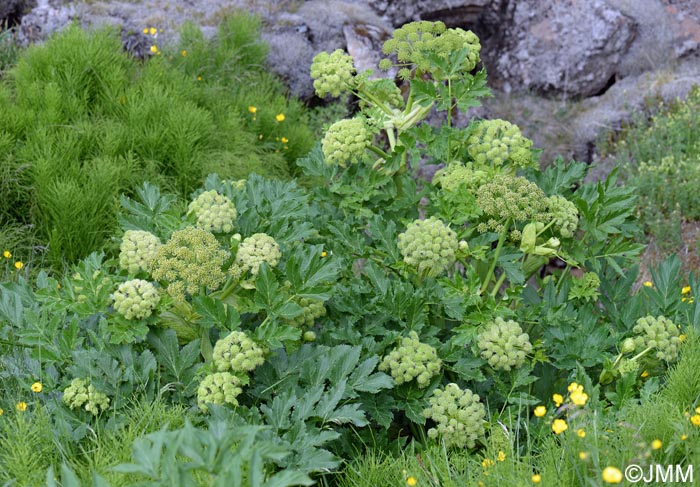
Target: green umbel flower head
[(214, 212), (345, 142), (237, 353), (429, 245), (495, 143), (659, 334), (504, 345), (191, 259), (81, 393), (458, 416), (136, 299), (565, 215), (313, 309), (412, 360), (218, 388), (252, 252), (510, 197), (454, 176), (137, 251), (332, 73)]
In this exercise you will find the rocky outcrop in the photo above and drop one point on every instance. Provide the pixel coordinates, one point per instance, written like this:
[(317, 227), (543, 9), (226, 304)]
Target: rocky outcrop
[(570, 48), (11, 11)]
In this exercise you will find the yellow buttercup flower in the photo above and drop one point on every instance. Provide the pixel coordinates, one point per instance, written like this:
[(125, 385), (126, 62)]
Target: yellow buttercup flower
[(153, 31), (487, 462), (685, 290), (324, 253), (558, 399), (411, 481), (280, 117), (19, 265), (695, 419), (7, 254), (579, 398), (145, 30), (697, 409), (648, 284), (645, 374), (501, 456), (21, 406), (37, 387), (284, 140), (656, 444), (154, 49), (582, 455), (684, 437), (540, 411), (2, 411), (252, 109), (612, 475), (581, 433), (183, 53), (559, 426), (199, 78), (536, 478), (682, 337)]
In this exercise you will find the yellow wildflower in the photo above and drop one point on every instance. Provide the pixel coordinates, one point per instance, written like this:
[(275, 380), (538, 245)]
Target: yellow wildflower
[(581, 433), (19, 265), (7, 254), (153, 31), (487, 462), (411, 481), (645, 374), (154, 49), (280, 117), (682, 337), (37, 387), (536, 478), (252, 109), (695, 419), (199, 78), (145, 30), (656, 444), (324, 253), (183, 53), (684, 437), (612, 475), (579, 398), (685, 290), (648, 284), (582, 455), (559, 426), (697, 409), (21, 406), (284, 140), (501, 456), (558, 399), (540, 411)]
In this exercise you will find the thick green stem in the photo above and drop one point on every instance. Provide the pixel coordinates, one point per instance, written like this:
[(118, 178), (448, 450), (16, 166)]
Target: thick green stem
[(497, 254), (498, 284)]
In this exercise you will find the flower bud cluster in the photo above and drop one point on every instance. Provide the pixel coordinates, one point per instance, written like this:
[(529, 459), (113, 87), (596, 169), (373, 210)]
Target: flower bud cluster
[(252, 252), (312, 309), (412, 360), (504, 345), (137, 251), (454, 176), (429, 245), (81, 393), (345, 142), (458, 416), (659, 334), (237, 353), (510, 197), (332, 73), (214, 212), (218, 388), (136, 299), (191, 259), (565, 215), (495, 143)]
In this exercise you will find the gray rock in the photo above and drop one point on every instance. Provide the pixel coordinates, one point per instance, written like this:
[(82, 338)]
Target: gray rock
[(571, 48), (452, 12)]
